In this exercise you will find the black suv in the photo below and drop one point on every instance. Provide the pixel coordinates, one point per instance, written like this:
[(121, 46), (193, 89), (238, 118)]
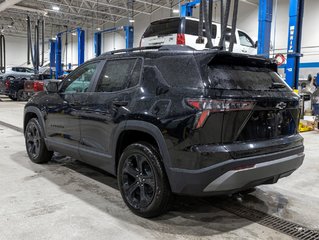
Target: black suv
[(171, 120)]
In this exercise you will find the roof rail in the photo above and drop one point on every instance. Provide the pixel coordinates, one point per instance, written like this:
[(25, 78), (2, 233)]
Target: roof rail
[(132, 50), (159, 48)]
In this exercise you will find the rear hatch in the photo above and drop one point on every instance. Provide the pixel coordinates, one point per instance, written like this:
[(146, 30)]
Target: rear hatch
[(247, 99), (162, 32)]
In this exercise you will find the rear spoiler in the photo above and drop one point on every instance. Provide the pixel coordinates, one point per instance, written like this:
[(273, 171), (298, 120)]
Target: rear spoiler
[(226, 58), (213, 57)]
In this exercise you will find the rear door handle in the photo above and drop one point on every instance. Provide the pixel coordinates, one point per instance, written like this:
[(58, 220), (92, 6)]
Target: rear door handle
[(118, 103)]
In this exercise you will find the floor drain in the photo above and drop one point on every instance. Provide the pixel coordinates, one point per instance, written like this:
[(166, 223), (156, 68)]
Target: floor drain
[(275, 223)]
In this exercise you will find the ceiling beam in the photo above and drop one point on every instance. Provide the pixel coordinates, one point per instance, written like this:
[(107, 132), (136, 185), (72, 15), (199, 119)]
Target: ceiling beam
[(153, 4), (108, 4), (84, 9), (28, 9), (8, 3)]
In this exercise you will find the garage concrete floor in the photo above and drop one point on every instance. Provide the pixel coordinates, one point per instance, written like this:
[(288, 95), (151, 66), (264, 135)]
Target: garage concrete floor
[(66, 199)]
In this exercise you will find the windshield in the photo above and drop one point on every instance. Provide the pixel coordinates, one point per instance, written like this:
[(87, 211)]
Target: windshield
[(232, 77)]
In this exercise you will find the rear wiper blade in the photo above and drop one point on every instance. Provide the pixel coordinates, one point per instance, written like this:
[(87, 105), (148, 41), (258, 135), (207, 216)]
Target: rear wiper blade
[(278, 85)]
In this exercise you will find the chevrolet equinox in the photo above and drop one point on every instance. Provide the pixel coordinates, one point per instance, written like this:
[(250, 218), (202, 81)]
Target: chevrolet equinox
[(171, 120)]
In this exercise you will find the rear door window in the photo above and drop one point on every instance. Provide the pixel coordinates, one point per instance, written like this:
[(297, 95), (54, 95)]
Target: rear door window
[(180, 71), (29, 70), (120, 74), (192, 28)]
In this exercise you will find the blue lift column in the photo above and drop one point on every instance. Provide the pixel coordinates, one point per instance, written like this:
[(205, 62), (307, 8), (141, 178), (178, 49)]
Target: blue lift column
[(264, 28), (296, 11), (129, 38), (97, 43), (52, 57), (187, 8), (81, 45), (58, 55)]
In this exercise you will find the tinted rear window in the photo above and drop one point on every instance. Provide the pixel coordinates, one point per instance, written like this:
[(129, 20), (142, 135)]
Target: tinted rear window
[(163, 27), (234, 77), (174, 26)]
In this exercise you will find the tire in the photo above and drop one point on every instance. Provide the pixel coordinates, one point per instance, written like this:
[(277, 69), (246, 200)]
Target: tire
[(21, 96), (12, 98), (141, 173), (35, 145)]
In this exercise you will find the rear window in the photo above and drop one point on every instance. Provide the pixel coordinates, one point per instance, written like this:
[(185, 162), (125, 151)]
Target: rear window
[(163, 27), (234, 77), (180, 71), (174, 26)]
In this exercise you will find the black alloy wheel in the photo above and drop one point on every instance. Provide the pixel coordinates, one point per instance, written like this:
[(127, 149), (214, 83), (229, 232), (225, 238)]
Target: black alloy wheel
[(35, 145), (138, 181), (33, 140), (142, 180)]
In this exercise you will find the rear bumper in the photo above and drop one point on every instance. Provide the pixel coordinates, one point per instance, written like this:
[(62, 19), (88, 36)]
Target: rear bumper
[(236, 175), (262, 172)]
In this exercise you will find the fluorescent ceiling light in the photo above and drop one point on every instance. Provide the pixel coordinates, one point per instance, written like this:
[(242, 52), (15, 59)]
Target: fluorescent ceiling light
[(74, 33), (131, 20), (56, 8), (175, 10), (98, 29)]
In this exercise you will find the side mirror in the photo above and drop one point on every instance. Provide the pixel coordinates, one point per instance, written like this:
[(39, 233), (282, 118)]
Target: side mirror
[(52, 86), (256, 44)]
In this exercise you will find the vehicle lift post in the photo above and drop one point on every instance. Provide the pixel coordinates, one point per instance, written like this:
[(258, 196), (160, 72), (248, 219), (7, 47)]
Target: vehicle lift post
[(58, 49), (187, 8), (52, 56), (264, 28), (129, 37), (296, 11)]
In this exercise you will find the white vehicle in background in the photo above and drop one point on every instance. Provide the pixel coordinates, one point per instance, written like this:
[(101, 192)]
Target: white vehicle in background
[(184, 31)]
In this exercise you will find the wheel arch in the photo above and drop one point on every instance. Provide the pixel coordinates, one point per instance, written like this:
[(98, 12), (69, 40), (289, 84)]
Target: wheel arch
[(33, 112), (146, 131)]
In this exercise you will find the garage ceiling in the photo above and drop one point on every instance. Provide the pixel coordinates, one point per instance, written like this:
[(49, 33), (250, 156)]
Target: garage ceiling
[(89, 14)]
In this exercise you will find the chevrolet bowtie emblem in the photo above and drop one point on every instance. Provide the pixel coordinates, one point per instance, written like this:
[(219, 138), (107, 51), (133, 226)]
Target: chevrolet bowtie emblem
[(281, 105)]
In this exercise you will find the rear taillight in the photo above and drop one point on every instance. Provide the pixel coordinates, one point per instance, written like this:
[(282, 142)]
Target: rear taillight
[(7, 83), (181, 39), (207, 106), (38, 86)]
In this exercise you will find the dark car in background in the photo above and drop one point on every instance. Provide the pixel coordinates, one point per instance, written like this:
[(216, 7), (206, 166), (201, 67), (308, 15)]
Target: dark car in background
[(13, 88), (171, 120), (12, 82), (36, 82)]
